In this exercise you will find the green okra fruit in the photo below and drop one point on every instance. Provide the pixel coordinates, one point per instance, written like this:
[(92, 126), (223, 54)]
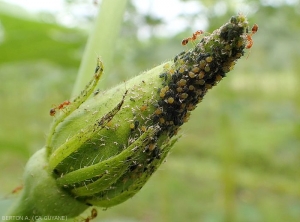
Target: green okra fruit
[(104, 146)]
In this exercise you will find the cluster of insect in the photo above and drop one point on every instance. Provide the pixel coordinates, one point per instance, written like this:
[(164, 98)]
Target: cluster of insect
[(196, 34), (184, 42)]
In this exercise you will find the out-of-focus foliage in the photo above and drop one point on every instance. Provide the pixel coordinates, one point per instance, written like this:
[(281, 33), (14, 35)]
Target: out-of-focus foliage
[(239, 157), (25, 40)]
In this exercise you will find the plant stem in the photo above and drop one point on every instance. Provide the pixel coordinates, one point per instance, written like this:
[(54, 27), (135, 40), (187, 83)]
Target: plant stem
[(101, 41), (41, 196)]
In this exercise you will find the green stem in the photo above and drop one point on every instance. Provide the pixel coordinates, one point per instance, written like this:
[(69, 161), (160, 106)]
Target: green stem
[(41, 196), (20, 210), (102, 41)]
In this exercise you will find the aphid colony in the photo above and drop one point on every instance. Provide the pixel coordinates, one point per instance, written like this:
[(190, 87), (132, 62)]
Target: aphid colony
[(186, 82), (193, 73)]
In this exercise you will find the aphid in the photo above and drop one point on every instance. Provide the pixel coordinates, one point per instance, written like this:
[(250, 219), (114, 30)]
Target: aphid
[(166, 66), (181, 70), (249, 36), (171, 71), (143, 108), (193, 38), (200, 82), (207, 68), (144, 128), (183, 95), (191, 87), (60, 106), (192, 75), (96, 92), (233, 20), (208, 59), (181, 82), (156, 153), (162, 120), (202, 64), (177, 56), (158, 111), (170, 100), (164, 75), (219, 78), (151, 146), (195, 69), (97, 68), (208, 86), (179, 89), (136, 124), (201, 75)]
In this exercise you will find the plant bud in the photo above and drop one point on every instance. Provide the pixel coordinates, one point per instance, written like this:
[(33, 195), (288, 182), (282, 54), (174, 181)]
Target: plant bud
[(106, 150)]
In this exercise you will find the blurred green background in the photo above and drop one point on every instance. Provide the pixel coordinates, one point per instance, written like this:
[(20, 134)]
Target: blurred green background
[(239, 157)]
